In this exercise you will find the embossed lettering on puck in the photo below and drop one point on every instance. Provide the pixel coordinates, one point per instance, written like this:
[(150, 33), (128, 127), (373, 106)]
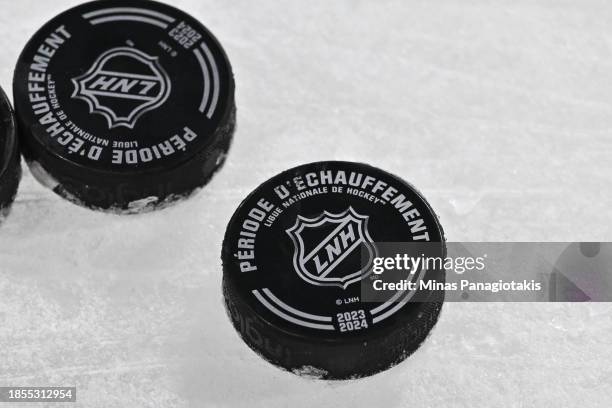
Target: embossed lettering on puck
[(124, 105), (10, 168), (293, 269)]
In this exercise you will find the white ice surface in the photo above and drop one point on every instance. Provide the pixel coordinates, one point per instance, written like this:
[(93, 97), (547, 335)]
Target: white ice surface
[(499, 112)]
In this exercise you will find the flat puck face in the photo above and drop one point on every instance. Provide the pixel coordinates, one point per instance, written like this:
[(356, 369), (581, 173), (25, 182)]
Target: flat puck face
[(123, 86), (297, 249)]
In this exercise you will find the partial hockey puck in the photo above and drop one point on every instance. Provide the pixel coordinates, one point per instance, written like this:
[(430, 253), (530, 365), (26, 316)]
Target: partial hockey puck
[(293, 270), (124, 105), (10, 168)]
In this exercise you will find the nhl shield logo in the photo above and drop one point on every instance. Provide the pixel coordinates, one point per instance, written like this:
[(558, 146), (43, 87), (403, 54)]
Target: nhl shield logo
[(327, 248), (122, 85)]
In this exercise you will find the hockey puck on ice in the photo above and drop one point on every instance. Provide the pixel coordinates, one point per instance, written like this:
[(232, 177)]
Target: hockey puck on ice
[(124, 105), (305, 314), (10, 168)]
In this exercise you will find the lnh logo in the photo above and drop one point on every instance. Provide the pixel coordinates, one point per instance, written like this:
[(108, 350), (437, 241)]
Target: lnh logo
[(123, 84), (333, 249), (324, 260)]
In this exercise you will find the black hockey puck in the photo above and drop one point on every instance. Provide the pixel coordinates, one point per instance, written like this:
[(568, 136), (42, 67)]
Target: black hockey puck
[(10, 168), (124, 104), (294, 269)]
